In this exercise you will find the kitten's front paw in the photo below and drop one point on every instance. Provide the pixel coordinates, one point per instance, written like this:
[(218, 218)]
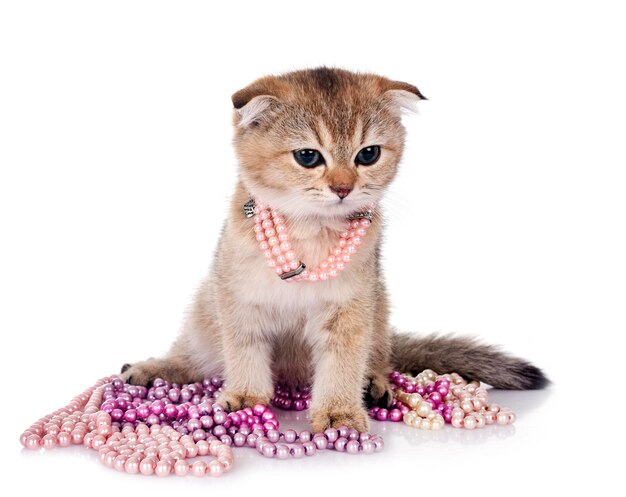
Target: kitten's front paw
[(336, 417), (142, 373), (233, 401)]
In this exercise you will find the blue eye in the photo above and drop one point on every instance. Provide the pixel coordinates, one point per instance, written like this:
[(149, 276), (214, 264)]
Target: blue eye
[(367, 156), (308, 157)]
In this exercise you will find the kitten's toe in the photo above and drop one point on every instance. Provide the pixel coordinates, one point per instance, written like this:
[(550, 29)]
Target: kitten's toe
[(378, 393), (324, 418), (233, 401), (141, 374)]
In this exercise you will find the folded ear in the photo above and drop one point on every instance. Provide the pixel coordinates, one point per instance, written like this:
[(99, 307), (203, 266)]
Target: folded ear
[(253, 102), (403, 96)]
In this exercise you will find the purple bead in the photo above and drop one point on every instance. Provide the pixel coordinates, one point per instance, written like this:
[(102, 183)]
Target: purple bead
[(259, 409), (239, 439), (219, 430), (395, 415), (353, 434), (117, 383), (206, 421), (320, 441), (381, 415), (157, 407), (226, 439), (305, 436), (273, 435), (174, 394), (194, 424), (158, 382), (220, 417), (352, 447), (185, 394), (198, 435), (290, 436), (268, 449), (340, 444), (410, 387), (368, 447), (435, 397), (130, 416), (343, 431), (309, 448), (297, 450), (251, 440), (430, 388), (117, 414), (170, 411), (153, 419), (122, 403), (282, 451), (331, 434)]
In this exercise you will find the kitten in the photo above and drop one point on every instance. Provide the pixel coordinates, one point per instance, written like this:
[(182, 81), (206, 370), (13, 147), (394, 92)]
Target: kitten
[(315, 145)]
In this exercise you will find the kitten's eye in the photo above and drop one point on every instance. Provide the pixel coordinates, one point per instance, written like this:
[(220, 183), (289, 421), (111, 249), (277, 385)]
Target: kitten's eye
[(308, 157), (367, 156)]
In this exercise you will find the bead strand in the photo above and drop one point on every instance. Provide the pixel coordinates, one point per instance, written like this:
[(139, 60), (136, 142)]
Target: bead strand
[(271, 234)]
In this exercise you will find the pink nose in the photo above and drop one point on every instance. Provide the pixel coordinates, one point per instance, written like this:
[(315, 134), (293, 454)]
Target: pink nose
[(342, 191)]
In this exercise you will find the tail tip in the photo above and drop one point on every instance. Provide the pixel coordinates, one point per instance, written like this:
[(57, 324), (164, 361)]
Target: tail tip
[(533, 377)]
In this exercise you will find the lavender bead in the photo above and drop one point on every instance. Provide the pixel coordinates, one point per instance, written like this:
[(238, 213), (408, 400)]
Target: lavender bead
[(282, 451), (320, 441), (219, 430), (297, 450), (340, 444), (368, 447), (305, 436), (290, 436), (239, 439), (352, 447), (331, 434)]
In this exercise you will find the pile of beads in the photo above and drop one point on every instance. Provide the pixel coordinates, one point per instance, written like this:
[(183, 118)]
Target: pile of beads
[(158, 430), (271, 233), (428, 401), (291, 398)]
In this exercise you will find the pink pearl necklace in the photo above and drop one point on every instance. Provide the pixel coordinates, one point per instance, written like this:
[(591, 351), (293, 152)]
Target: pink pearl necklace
[(271, 233)]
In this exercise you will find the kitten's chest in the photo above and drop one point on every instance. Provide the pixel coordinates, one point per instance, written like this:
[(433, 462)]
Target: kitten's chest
[(314, 243)]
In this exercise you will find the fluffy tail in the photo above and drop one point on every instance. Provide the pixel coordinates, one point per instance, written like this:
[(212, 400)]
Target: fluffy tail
[(466, 356)]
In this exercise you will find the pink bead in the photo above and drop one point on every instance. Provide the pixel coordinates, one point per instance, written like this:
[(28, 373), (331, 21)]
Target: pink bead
[(199, 468), (313, 276), (163, 468), (147, 465), (33, 442), (323, 275), (286, 268), (364, 223), (267, 254), (294, 264), (290, 255), (264, 245), (264, 215), (49, 441), (333, 273), (340, 265), (278, 270), (132, 465), (215, 468), (181, 468), (346, 258), (267, 224), (270, 232), (273, 241), (260, 237), (285, 246), (276, 250)]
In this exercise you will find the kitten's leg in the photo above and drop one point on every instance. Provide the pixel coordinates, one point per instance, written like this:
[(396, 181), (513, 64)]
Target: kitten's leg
[(378, 392), (247, 352), (341, 350)]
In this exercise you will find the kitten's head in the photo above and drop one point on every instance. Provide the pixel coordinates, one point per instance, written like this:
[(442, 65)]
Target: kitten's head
[(320, 142)]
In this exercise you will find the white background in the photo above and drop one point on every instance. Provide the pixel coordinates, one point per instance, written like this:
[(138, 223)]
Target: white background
[(507, 220)]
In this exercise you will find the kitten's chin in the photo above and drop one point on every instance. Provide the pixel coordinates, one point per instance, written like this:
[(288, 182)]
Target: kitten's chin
[(298, 205)]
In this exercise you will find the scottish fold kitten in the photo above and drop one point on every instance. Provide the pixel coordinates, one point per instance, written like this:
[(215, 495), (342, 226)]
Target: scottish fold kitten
[(316, 147)]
